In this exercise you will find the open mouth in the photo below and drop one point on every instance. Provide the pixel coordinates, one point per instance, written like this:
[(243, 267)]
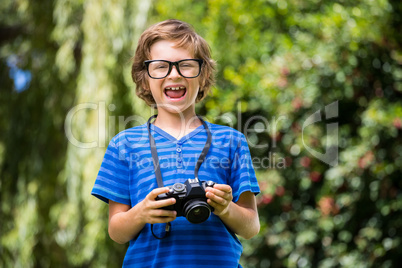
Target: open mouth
[(175, 92)]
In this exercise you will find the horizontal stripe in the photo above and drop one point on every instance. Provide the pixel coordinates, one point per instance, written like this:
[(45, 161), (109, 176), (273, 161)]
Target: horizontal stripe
[(127, 176)]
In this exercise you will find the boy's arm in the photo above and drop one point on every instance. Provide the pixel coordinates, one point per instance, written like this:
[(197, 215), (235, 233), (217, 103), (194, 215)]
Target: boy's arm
[(125, 223), (241, 217)]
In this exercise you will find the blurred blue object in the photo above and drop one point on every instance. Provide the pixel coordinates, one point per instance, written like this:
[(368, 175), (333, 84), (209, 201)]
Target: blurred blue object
[(22, 78)]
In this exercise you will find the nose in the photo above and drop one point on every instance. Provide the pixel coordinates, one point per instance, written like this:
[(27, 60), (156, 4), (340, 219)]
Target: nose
[(174, 73)]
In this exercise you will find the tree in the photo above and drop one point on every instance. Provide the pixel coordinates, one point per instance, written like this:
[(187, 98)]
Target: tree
[(66, 90), (78, 56), (281, 62)]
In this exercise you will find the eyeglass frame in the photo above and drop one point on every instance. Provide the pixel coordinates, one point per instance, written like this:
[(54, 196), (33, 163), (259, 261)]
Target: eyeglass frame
[(171, 64)]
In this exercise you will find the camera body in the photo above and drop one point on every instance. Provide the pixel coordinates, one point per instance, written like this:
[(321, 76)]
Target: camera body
[(191, 201)]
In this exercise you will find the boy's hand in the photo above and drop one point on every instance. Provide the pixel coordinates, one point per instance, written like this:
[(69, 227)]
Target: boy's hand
[(151, 211), (219, 197)]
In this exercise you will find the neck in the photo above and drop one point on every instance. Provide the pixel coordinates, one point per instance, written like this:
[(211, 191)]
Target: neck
[(177, 124)]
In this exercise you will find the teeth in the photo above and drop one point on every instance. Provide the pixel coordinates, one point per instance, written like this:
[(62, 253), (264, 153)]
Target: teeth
[(175, 88)]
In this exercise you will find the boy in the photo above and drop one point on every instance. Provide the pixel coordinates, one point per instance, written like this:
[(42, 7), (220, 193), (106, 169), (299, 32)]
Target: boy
[(173, 70)]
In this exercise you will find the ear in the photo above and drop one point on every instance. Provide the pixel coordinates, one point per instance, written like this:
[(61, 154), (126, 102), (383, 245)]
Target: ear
[(202, 83), (200, 95)]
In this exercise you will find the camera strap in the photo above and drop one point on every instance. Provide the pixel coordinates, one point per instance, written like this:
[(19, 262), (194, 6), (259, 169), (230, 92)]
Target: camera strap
[(155, 157), (154, 153), (157, 168)]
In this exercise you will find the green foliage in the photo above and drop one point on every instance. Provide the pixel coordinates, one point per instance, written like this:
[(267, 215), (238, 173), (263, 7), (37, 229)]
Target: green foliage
[(78, 54), (278, 63)]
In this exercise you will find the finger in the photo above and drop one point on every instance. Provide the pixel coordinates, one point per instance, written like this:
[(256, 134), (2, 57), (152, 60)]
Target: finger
[(163, 213), (223, 187), (217, 199), (218, 207), (163, 203), (166, 219), (161, 219), (224, 195), (155, 192)]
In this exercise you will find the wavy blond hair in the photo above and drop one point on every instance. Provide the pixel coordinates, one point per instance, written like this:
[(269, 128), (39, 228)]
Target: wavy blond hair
[(185, 36)]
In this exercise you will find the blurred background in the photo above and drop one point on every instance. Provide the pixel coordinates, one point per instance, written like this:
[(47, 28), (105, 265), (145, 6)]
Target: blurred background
[(66, 89)]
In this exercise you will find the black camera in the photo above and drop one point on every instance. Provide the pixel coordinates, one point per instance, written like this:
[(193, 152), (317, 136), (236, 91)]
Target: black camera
[(191, 201)]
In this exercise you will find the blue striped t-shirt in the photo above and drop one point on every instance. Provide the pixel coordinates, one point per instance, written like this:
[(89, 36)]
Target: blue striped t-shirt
[(127, 176)]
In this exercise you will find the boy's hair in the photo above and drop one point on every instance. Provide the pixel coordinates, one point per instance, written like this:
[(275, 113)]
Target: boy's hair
[(185, 36)]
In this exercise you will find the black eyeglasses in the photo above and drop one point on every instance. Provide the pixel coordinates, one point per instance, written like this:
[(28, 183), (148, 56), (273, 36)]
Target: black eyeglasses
[(188, 68)]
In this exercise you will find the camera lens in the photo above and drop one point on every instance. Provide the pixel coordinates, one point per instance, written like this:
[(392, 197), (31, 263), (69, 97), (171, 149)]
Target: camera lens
[(196, 211)]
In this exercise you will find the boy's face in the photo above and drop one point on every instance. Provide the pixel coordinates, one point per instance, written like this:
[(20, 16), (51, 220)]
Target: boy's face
[(174, 93)]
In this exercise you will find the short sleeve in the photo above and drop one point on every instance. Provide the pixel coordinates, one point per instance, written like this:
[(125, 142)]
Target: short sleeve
[(112, 182), (242, 173)]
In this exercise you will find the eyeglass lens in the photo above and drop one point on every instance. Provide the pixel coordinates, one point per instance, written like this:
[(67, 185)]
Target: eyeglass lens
[(187, 68)]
